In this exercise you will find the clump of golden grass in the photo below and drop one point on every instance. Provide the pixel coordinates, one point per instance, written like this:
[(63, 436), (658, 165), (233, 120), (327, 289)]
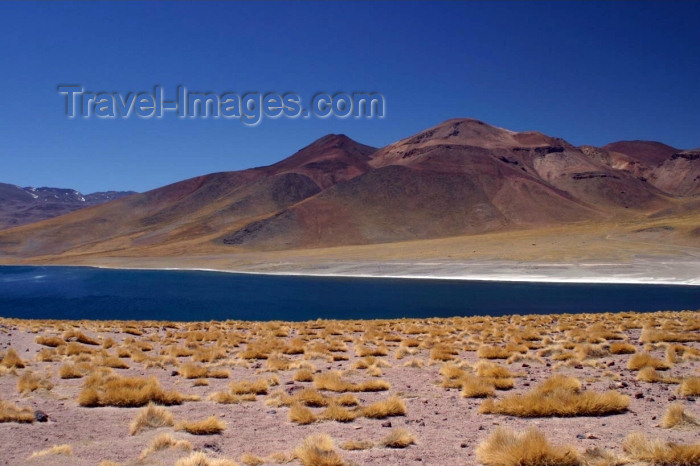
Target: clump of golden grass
[(80, 337), (640, 360), (318, 450), (300, 414), (30, 382), (476, 387), (690, 387), (192, 371), (10, 412), (128, 392), (399, 438), (530, 448), (352, 445), (622, 348), (677, 417), (72, 371), (363, 351), (558, 396), (229, 398), (333, 381), (50, 341), (163, 442), (640, 448), (335, 412), (654, 336), (12, 360), (493, 352), (251, 459), (651, 375), (392, 406), (151, 417), (257, 387), (209, 426), (201, 459), (303, 375), (54, 450)]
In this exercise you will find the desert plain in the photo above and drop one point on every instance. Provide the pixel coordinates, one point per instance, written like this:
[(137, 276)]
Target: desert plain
[(598, 389)]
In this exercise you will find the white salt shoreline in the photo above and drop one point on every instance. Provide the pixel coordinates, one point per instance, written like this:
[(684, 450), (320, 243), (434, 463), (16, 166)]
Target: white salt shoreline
[(686, 275)]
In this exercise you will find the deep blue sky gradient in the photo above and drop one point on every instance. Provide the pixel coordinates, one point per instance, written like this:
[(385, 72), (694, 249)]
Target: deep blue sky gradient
[(590, 72)]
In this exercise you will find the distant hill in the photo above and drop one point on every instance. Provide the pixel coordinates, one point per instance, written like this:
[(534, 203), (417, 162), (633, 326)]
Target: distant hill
[(20, 206), (462, 177)]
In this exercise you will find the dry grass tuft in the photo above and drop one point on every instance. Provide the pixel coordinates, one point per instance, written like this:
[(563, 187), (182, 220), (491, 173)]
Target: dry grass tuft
[(209, 426), (318, 450), (303, 375), (243, 387), (65, 450), (151, 417), (50, 341), (12, 360), (163, 442), (640, 360), (677, 417), (201, 459), (127, 392), (622, 348), (392, 406), (690, 387), (300, 414), (337, 413), (476, 387), (228, 398), (558, 396), (651, 375), (399, 438), (640, 448), (30, 382), (10, 412), (530, 448)]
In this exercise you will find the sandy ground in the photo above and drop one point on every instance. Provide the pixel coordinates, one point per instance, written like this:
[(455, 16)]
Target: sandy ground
[(448, 427)]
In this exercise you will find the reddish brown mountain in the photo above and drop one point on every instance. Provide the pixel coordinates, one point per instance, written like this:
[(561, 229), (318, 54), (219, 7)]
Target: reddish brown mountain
[(458, 178)]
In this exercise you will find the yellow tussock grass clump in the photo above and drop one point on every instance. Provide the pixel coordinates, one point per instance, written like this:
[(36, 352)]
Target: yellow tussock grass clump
[(677, 417), (209, 426), (530, 448), (303, 375), (318, 450), (54, 450), (690, 387), (300, 414), (333, 381), (228, 398), (258, 387), (493, 352), (192, 371), (640, 448), (128, 392), (558, 396), (338, 413), (640, 360), (622, 348), (164, 442), (476, 387), (10, 412), (251, 459), (151, 417), (201, 459), (399, 438), (30, 382), (72, 371), (50, 341), (392, 406), (651, 375), (12, 360), (352, 445)]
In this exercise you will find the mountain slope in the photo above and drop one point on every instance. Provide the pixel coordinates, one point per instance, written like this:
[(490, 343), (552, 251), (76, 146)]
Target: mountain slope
[(461, 177), (20, 206)]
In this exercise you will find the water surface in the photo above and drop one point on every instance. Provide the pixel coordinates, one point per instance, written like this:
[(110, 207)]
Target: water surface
[(90, 293)]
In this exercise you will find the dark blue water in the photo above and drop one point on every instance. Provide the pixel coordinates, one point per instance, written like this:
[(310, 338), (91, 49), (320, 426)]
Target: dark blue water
[(87, 293)]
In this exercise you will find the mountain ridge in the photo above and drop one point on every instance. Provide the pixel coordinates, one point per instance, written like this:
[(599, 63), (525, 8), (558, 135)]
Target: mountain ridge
[(461, 177)]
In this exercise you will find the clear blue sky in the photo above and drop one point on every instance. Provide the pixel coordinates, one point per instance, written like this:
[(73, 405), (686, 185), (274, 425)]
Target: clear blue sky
[(590, 72)]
